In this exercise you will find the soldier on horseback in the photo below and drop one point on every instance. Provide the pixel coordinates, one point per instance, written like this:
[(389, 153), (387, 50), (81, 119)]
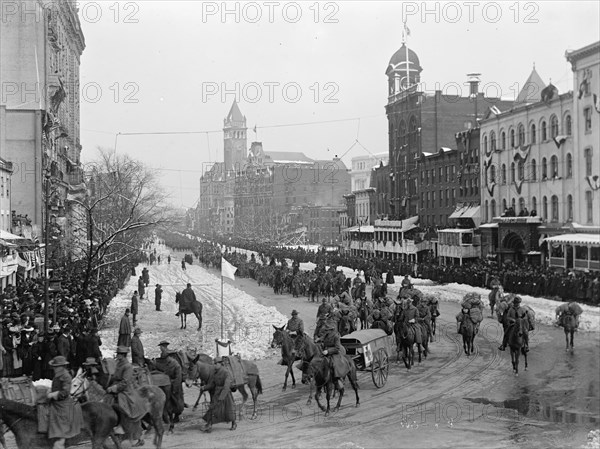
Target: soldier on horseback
[(424, 314), (324, 308), (512, 314), (334, 351), (410, 316), (295, 327)]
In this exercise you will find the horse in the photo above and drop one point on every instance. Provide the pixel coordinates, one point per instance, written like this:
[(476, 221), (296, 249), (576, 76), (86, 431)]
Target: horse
[(568, 323), (406, 339), (494, 297), (184, 310), (467, 330), (435, 312), (379, 289), (516, 342), (153, 399), (201, 367), (283, 339), (320, 371), (364, 311), (99, 419), (345, 323)]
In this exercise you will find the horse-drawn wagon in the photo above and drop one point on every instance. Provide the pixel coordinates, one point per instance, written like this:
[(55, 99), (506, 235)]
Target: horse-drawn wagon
[(370, 349)]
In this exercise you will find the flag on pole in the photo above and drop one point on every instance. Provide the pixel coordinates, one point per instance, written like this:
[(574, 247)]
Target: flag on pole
[(227, 270)]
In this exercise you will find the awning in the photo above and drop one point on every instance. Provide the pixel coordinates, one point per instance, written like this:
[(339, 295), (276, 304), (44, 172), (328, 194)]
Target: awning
[(576, 239), (397, 225), (489, 225), (472, 212), (369, 229)]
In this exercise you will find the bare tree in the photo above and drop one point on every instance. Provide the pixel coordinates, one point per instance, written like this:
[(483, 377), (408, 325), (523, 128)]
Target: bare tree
[(123, 205)]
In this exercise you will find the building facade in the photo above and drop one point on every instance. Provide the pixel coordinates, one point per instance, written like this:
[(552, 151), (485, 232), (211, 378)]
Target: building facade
[(362, 169)]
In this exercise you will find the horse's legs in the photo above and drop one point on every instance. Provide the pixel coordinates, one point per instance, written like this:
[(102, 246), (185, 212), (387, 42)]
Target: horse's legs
[(199, 321), (254, 392), (197, 400), (339, 402), (318, 398), (287, 373), (525, 356), (572, 335), (354, 383), (566, 339), (328, 396), (244, 394)]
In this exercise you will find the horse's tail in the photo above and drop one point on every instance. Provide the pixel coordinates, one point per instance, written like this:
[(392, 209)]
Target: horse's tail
[(259, 389)]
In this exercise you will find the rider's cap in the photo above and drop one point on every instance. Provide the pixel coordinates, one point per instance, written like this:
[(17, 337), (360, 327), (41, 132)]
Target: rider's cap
[(294, 312), (163, 343)]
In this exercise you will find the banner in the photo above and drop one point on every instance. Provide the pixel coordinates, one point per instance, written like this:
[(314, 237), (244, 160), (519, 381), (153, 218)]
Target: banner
[(227, 270)]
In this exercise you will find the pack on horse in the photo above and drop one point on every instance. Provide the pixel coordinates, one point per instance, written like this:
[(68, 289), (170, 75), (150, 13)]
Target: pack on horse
[(152, 396), (200, 368), (99, 420), (187, 307), (282, 339)]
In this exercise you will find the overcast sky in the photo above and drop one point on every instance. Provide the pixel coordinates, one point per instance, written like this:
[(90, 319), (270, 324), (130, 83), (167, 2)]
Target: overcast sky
[(175, 66)]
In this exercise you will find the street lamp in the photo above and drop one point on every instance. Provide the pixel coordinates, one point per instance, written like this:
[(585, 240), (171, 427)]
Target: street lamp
[(47, 176)]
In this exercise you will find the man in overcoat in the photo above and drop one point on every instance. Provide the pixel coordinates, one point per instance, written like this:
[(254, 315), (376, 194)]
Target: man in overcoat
[(222, 406)]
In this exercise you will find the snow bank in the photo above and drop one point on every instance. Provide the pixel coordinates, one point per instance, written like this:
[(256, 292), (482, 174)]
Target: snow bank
[(593, 440)]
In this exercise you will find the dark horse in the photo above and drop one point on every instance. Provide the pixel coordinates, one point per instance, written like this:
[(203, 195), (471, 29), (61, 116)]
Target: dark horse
[(320, 371), (435, 312), (494, 297), (364, 310), (99, 419), (195, 307), (201, 366), (569, 325), (345, 323), (467, 330), (516, 342), (284, 340), (406, 339)]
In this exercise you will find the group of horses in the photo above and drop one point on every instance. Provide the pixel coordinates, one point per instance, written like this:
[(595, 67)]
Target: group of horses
[(101, 415)]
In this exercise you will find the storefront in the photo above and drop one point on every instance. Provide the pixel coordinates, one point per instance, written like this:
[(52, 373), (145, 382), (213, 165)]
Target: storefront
[(574, 252)]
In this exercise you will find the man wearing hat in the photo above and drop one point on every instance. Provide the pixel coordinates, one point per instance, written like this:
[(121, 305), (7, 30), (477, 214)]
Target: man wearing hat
[(295, 327), (130, 404), (134, 307), (187, 299), (65, 420), (222, 406), (333, 349), (158, 296), (514, 312), (137, 348), (172, 369), (124, 330)]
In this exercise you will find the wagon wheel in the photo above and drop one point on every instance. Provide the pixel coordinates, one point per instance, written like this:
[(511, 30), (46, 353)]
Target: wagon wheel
[(380, 367)]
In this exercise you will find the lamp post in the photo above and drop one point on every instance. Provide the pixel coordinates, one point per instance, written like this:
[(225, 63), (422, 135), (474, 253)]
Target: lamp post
[(47, 176)]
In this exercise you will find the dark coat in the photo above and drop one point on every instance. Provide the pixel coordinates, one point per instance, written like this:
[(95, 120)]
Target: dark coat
[(137, 351), (172, 369), (124, 332), (65, 419), (129, 400), (134, 304), (222, 406), (335, 350)]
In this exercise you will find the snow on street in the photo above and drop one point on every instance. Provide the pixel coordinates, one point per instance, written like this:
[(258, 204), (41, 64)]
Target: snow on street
[(247, 324)]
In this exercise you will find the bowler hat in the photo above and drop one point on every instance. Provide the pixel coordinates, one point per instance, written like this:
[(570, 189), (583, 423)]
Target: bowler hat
[(59, 360), (90, 361), (122, 350), (163, 343), (294, 312)]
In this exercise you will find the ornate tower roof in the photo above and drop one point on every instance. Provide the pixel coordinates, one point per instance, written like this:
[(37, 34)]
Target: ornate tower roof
[(398, 61)]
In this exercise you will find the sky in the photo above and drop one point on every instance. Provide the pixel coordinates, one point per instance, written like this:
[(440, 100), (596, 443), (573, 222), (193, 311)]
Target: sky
[(310, 76)]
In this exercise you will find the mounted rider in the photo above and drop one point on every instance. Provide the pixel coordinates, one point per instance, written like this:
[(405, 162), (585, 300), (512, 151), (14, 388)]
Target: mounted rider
[(187, 299), (295, 328), (129, 402), (424, 313), (380, 323), (406, 283), (324, 308), (514, 312), (334, 351), (410, 317), (357, 280)]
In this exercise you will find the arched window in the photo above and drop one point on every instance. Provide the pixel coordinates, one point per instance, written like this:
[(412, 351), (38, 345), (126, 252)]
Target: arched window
[(533, 136), (554, 208), (554, 166), (503, 180), (587, 155), (512, 138), (533, 170), (413, 130), (403, 136), (486, 212), (521, 204), (492, 174), (553, 126), (521, 134), (544, 169), (493, 141), (568, 125), (569, 208), (503, 140), (543, 130), (493, 208), (512, 172), (485, 144), (569, 165), (521, 168), (504, 207), (545, 208), (533, 206), (513, 204)]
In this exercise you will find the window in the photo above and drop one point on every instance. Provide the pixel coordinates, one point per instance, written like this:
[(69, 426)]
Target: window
[(486, 211), (521, 134), (554, 208), (413, 130), (553, 126), (533, 170), (521, 168), (432, 199), (569, 165), (503, 180), (492, 174), (485, 144), (441, 197), (589, 206), (521, 204), (533, 136), (569, 208), (533, 206), (544, 169), (513, 204), (503, 140), (504, 207), (554, 166), (512, 172), (493, 208), (587, 154), (427, 200), (493, 141), (545, 208), (568, 125), (543, 128), (447, 197), (512, 138), (587, 120), (433, 176), (402, 131), (441, 173), (447, 173)]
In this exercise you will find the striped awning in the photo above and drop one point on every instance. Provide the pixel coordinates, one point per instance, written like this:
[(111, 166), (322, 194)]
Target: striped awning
[(576, 239)]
